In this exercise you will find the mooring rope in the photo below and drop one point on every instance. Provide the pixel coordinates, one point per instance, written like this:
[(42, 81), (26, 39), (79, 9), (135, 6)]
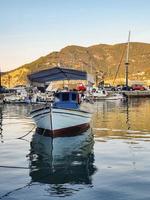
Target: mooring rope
[(15, 190), (13, 167), (27, 133)]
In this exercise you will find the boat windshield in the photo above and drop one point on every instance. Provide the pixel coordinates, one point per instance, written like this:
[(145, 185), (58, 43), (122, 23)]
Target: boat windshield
[(66, 99), (65, 96), (74, 97)]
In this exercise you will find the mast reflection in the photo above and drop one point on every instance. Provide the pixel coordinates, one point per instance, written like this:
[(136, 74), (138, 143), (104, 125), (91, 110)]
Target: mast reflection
[(62, 160), (1, 120), (127, 115)]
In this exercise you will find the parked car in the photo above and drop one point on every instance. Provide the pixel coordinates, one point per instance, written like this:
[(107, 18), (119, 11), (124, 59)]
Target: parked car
[(81, 87), (138, 87), (127, 88), (107, 87)]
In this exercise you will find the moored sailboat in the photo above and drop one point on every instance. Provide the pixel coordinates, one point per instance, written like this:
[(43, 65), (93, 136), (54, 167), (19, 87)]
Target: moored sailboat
[(132, 92)]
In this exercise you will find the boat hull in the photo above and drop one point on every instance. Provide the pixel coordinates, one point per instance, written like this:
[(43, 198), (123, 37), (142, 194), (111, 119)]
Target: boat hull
[(64, 132), (60, 122)]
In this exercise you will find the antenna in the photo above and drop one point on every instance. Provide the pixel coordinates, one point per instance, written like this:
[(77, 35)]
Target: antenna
[(127, 59)]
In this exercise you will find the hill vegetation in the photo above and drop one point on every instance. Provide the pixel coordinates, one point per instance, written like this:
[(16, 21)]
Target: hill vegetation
[(101, 59)]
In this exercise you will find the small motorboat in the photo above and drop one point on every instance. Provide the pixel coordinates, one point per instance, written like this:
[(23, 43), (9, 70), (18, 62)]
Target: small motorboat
[(63, 116), (101, 94)]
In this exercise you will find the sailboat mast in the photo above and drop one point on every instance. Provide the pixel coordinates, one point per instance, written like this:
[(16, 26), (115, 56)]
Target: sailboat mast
[(127, 60)]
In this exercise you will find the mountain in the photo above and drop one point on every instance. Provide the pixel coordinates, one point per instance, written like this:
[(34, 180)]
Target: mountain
[(101, 59)]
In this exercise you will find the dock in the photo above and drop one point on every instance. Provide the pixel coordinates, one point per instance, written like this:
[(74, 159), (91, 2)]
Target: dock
[(136, 93)]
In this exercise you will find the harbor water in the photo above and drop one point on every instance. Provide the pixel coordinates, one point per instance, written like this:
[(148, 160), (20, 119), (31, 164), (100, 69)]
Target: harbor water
[(109, 161)]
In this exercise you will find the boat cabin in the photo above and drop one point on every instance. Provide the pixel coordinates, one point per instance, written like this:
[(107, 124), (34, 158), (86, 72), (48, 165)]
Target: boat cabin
[(66, 100)]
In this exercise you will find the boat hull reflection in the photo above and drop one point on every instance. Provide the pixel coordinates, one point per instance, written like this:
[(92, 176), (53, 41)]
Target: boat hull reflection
[(62, 160)]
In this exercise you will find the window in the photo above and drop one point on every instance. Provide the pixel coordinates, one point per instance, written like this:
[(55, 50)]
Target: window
[(74, 97), (65, 97)]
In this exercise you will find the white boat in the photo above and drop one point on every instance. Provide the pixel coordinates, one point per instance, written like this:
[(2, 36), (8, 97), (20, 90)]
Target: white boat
[(1, 98), (100, 94), (63, 117)]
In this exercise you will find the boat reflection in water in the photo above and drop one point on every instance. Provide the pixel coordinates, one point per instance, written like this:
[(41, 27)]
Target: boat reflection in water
[(62, 160)]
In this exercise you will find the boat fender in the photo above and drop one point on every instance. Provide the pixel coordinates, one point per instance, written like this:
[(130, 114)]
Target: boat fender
[(79, 98)]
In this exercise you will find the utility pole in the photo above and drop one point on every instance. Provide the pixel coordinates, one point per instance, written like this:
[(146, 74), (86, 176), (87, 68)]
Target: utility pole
[(91, 66), (96, 78), (127, 61), (9, 77)]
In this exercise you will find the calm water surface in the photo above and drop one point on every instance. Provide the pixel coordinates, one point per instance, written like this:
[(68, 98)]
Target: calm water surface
[(111, 161)]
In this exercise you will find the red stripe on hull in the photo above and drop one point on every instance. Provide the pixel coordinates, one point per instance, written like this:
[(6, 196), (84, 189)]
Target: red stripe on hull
[(64, 132)]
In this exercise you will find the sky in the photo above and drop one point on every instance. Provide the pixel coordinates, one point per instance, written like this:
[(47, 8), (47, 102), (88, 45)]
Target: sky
[(30, 29)]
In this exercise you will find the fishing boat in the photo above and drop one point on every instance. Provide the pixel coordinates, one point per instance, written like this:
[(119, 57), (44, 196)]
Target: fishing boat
[(63, 116)]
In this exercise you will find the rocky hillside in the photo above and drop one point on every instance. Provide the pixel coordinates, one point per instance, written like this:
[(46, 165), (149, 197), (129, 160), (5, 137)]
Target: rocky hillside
[(99, 59)]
